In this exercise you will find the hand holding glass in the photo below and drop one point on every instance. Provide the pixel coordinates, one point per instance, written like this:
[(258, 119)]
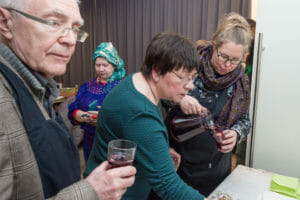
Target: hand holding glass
[(219, 136), (121, 152)]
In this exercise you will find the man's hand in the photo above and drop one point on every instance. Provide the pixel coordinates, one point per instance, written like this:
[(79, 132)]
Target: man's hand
[(111, 184)]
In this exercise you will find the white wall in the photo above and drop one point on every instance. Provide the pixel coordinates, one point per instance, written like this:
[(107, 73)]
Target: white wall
[(276, 131), (253, 9)]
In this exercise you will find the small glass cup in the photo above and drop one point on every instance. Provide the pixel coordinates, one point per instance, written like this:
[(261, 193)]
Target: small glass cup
[(121, 152), (219, 136)]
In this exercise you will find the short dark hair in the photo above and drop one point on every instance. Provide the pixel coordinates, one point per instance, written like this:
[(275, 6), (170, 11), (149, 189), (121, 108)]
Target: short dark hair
[(169, 51)]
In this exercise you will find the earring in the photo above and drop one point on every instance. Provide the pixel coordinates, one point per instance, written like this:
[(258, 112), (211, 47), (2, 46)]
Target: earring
[(155, 79)]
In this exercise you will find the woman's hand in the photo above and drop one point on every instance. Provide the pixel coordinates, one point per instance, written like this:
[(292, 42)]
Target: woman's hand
[(229, 141), (190, 105), (91, 117), (175, 157)]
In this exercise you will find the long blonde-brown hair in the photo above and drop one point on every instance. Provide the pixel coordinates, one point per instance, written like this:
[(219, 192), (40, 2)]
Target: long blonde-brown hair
[(233, 28)]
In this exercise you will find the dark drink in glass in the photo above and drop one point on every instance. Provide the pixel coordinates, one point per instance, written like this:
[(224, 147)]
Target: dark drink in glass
[(219, 142), (219, 136), (119, 160), (184, 127), (121, 152)]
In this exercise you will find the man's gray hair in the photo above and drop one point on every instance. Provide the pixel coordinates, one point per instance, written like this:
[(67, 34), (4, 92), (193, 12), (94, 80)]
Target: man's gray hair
[(19, 4)]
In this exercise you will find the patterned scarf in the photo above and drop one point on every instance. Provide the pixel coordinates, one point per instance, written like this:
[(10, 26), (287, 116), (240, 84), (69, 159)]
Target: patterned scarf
[(109, 52), (238, 103)]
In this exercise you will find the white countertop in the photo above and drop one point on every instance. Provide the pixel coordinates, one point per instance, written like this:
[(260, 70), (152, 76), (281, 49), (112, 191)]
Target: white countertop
[(246, 183)]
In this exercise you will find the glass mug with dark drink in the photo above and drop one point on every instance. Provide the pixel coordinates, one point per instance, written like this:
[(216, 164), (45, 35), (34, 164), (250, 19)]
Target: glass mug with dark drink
[(184, 127), (121, 152)]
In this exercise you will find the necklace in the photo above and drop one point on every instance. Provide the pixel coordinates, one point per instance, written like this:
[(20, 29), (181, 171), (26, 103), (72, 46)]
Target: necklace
[(151, 90), (98, 80)]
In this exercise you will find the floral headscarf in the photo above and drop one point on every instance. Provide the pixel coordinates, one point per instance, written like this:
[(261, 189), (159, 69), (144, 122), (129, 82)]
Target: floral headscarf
[(108, 51)]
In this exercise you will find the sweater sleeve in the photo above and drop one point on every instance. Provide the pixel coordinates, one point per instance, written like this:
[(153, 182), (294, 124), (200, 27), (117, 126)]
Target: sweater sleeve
[(153, 158), (80, 190), (242, 126), (75, 105)]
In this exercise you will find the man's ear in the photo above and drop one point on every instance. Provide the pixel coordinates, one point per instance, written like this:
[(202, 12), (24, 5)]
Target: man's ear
[(5, 24)]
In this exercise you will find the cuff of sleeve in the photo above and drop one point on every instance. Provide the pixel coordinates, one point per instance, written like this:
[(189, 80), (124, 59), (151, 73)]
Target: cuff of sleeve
[(74, 116), (80, 190), (239, 136)]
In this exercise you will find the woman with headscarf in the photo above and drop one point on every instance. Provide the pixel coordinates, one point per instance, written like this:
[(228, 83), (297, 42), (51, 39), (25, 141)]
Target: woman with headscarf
[(110, 71), (222, 87)]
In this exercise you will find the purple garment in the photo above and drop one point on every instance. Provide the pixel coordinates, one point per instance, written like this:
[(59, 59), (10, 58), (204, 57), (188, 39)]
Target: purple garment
[(87, 93)]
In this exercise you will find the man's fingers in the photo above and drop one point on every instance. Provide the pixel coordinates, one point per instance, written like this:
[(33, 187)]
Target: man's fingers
[(127, 182), (123, 171), (124, 179), (103, 166)]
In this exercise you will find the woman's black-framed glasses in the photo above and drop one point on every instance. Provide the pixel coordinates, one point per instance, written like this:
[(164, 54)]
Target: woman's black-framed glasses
[(233, 61)]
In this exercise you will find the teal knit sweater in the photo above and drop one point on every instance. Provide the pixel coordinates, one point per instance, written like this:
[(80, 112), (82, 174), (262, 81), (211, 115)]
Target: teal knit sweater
[(128, 114)]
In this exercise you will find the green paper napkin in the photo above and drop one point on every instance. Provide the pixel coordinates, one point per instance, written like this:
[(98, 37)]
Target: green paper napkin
[(285, 185), (298, 191)]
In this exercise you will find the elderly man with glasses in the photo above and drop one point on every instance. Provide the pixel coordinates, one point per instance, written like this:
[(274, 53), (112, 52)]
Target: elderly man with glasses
[(38, 157)]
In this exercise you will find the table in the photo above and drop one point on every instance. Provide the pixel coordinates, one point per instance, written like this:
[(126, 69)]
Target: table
[(65, 93), (246, 183)]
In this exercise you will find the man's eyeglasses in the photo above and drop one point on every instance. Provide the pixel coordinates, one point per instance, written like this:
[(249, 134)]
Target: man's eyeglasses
[(225, 58), (185, 79), (55, 26)]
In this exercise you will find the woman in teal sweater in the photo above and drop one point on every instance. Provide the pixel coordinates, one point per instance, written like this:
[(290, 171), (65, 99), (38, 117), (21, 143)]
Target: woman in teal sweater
[(130, 111)]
